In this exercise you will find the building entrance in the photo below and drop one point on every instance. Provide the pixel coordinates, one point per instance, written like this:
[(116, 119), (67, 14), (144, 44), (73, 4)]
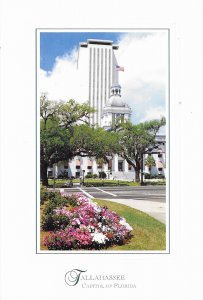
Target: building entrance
[(120, 166)]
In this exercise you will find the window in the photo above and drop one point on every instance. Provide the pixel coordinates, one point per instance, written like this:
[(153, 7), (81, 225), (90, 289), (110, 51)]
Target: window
[(160, 169), (120, 166), (129, 167), (159, 155), (89, 167), (77, 174), (65, 165), (113, 118), (110, 165), (77, 167)]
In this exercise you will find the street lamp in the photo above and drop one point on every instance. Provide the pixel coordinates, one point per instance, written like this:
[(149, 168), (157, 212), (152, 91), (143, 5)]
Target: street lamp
[(83, 176), (54, 169)]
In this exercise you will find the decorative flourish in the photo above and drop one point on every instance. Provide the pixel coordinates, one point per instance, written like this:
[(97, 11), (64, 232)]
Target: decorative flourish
[(72, 277)]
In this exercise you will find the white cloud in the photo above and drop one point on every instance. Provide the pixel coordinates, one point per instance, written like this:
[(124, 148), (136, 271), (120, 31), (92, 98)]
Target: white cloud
[(154, 113), (145, 59), (62, 82), (144, 82)]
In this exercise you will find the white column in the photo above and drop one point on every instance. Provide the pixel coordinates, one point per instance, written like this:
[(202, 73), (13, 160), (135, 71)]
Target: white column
[(125, 166), (94, 167), (115, 163), (105, 167), (55, 167)]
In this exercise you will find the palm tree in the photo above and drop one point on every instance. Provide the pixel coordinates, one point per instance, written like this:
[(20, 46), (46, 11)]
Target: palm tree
[(150, 162)]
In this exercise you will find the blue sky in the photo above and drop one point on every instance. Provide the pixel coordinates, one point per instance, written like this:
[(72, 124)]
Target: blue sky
[(144, 55), (53, 44)]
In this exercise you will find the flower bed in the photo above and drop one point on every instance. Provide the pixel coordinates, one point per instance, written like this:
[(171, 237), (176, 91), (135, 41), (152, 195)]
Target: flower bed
[(82, 224)]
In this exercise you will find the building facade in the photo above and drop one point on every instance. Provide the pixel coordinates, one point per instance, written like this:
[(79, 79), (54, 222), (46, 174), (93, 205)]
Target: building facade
[(98, 74)]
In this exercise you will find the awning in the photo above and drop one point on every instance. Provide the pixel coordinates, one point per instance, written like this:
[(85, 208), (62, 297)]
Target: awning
[(160, 164), (89, 163), (77, 162)]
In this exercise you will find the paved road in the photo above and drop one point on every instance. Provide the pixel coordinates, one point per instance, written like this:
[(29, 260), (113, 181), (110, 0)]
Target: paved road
[(149, 199), (147, 193)]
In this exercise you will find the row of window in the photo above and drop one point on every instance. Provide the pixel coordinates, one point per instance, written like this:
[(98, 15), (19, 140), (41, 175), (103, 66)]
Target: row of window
[(159, 155), (120, 166)]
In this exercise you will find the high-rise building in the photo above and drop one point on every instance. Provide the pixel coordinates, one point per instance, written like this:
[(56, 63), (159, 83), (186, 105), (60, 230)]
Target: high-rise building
[(98, 80), (97, 72)]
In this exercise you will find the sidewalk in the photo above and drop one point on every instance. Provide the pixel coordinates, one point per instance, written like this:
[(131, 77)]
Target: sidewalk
[(155, 209)]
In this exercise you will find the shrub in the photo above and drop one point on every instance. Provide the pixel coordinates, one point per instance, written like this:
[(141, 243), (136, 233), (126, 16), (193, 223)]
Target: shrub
[(147, 176), (95, 176), (54, 221), (57, 201), (85, 226), (63, 175), (161, 176), (158, 176), (43, 194), (54, 200), (71, 199), (102, 174), (89, 175)]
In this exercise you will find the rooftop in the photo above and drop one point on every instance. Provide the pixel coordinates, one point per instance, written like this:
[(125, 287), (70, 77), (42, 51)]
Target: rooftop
[(99, 42)]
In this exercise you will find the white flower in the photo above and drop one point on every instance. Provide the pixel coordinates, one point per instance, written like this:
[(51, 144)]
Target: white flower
[(78, 221), (96, 207), (124, 223), (99, 238)]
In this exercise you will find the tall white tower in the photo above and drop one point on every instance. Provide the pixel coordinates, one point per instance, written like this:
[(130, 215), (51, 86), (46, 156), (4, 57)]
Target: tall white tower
[(97, 68)]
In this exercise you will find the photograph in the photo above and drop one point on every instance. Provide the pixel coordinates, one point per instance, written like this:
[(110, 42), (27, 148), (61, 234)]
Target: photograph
[(101, 110), (103, 140)]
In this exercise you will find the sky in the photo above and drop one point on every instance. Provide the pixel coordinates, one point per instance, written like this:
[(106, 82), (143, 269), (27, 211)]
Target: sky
[(143, 54)]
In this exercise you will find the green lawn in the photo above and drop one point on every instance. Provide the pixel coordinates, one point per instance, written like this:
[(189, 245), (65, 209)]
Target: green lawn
[(94, 182), (104, 182), (148, 233)]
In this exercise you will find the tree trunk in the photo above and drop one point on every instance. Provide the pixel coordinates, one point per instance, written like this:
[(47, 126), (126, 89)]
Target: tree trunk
[(137, 171), (43, 173), (137, 175)]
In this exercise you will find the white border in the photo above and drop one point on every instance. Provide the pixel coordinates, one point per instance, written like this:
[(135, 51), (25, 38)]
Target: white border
[(167, 90)]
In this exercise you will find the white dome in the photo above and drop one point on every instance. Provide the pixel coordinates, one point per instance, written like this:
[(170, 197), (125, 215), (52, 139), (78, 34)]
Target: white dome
[(115, 101)]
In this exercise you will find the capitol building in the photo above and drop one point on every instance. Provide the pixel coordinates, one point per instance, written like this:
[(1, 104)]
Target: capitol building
[(98, 73)]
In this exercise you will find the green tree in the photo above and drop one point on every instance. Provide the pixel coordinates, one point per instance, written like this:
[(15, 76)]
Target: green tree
[(48, 109), (72, 112), (97, 142), (64, 134), (136, 140), (56, 130), (54, 146), (150, 162)]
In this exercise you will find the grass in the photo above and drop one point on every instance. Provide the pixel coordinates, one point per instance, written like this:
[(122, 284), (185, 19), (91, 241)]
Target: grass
[(105, 182), (94, 182), (148, 233)]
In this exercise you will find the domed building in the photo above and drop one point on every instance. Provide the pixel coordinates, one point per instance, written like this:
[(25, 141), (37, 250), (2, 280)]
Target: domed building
[(115, 108), (99, 80)]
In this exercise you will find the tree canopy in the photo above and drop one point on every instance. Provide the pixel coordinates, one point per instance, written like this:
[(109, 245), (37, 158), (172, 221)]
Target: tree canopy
[(135, 141), (65, 133)]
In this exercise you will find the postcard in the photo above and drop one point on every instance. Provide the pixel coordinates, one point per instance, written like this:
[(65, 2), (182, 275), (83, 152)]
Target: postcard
[(101, 108)]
